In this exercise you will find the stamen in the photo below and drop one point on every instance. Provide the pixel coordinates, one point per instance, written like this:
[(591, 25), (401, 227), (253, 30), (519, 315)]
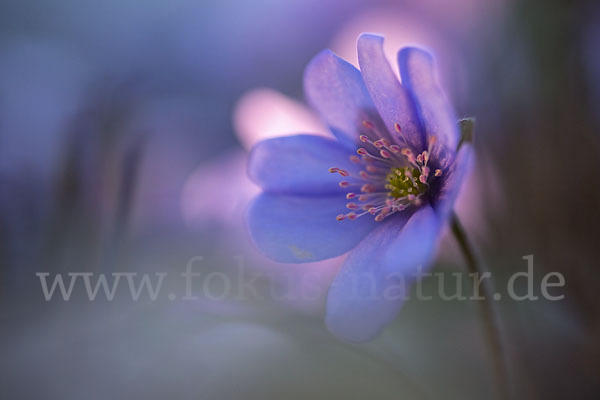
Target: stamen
[(366, 155), (340, 171), (381, 143), (392, 179), (409, 155), (367, 188)]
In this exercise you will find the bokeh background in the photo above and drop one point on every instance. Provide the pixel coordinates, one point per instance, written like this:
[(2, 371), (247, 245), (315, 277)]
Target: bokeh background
[(124, 126)]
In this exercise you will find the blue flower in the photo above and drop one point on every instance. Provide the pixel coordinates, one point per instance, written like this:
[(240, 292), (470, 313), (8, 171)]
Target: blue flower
[(381, 192)]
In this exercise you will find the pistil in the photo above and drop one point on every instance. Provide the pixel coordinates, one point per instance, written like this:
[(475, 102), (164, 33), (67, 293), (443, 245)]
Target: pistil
[(392, 180)]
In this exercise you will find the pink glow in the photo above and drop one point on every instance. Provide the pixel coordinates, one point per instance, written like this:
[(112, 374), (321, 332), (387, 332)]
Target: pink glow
[(265, 113), (462, 16), (218, 191), (401, 29)]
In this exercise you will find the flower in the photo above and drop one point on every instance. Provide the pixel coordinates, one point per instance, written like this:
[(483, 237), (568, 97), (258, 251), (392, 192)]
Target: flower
[(259, 114), (265, 113), (396, 152)]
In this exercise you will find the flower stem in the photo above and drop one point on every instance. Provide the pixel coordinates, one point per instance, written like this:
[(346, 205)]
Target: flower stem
[(490, 324)]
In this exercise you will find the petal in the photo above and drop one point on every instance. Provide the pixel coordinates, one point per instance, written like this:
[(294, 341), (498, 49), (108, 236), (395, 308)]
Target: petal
[(335, 88), (454, 178), (394, 102), (265, 113), (298, 229), (300, 165), (437, 117), (374, 281)]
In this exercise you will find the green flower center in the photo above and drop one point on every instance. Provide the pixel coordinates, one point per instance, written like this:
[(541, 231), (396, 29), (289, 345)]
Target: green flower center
[(393, 179), (404, 181)]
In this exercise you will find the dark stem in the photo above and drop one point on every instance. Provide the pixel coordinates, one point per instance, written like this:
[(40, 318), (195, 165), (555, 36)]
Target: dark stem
[(490, 324)]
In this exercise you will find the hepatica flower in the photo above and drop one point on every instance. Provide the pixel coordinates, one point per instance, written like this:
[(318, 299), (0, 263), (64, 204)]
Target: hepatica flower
[(381, 191)]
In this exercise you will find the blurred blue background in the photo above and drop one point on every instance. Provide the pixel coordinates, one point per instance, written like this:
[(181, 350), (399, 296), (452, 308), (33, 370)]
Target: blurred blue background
[(123, 131)]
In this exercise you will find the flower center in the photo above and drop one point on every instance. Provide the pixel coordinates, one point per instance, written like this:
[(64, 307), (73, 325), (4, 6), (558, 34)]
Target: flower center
[(400, 182), (392, 178)]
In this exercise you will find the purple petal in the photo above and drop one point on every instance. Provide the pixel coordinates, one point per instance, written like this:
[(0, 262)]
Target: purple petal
[(375, 278), (394, 102), (298, 229), (453, 180), (300, 165), (335, 88), (437, 117)]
